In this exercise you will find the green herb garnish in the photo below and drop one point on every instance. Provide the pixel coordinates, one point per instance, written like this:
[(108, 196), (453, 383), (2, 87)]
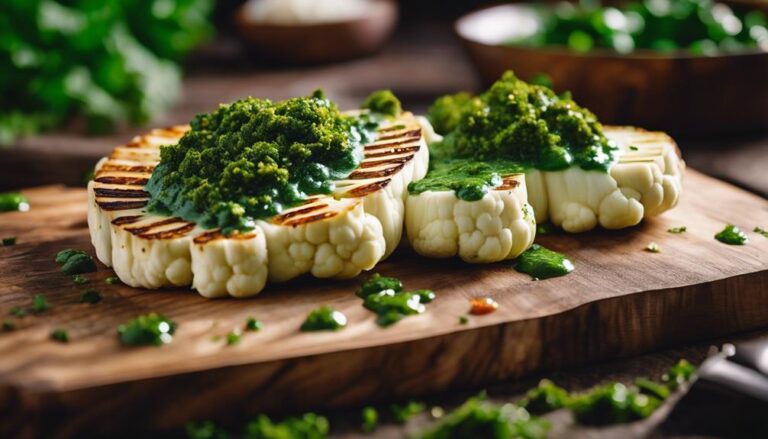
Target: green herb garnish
[(308, 426), (633, 148), (542, 263), (8, 326), (652, 388), (370, 419), (611, 404), (205, 430), (253, 325), (732, 235), (653, 248), (40, 304), (463, 320), (75, 262), (383, 102), (403, 413), (112, 280), (9, 241), (761, 231), (17, 311), (544, 398), (12, 201), (680, 229), (377, 283), (150, 329), (60, 335), (324, 318), (234, 337), (79, 280), (91, 296), (678, 374)]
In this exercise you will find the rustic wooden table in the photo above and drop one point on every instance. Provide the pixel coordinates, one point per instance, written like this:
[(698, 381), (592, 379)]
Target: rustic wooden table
[(420, 64)]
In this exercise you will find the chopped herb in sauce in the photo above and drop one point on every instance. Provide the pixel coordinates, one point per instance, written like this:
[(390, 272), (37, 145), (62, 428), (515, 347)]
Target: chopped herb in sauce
[(378, 283), (732, 235), (678, 374), (403, 413), (370, 419), (234, 337), (479, 306), (40, 304), (480, 418), (612, 404), (60, 335), (13, 202), (9, 241), (463, 320), (75, 262), (761, 231), (652, 388), (91, 296), (542, 263), (383, 102), (324, 318), (7, 326), (653, 248), (150, 329), (385, 297), (79, 279), (112, 280), (18, 311), (633, 148), (308, 426), (681, 229), (253, 325), (544, 398)]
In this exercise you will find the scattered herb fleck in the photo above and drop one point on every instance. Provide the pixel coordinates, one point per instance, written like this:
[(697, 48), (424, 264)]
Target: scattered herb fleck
[(253, 325), (761, 231), (680, 229), (79, 280), (463, 319), (479, 306), (324, 318), (17, 311), (544, 398), (75, 262), (40, 304), (308, 426), (652, 388), (8, 241), (205, 430), (403, 413), (150, 329), (370, 419), (112, 280), (633, 148), (542, 263), (385, 297), (611, 404), (90, 295), (653, 248), (8, 326), (234, 337), (60, 335), (678, 374), (732, 235), (378, 283), (13, 201), (544, 228)]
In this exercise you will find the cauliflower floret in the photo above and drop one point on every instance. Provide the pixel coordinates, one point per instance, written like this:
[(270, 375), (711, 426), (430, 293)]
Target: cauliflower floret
[(236, 266), (498, 226)]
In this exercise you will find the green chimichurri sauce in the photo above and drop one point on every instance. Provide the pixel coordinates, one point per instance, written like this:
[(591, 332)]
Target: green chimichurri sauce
[(512, 127), (324, 318), (612, 403), (385, 297), (383, 102), (254, 157), (542, 263), (75, 262), (151, 329), (13, 201), (732, 235), (544, 398)]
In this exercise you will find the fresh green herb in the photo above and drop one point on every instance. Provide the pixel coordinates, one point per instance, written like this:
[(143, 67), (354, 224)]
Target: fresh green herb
[(681, 229), (542, 263), (308, 426), (9, 241), (543, 80), (652, 388), (678, 374), (633, 148), (611, 404), (403, 413), (11, 201), (391, 307), (18, 311), (60, 335), (112, 280), (253, 325), (370, 419), (761, 231), (378, 283), (653, 248), (463, 320), (544, 228), (383, 102), (234, 337), (150, 329), (732, 235), (75, 262), (90, 295), (79, 279), (8, 326), (324, 318), (40, 304), (445, 113), (205, 430), (426, 296), (103, 62), (252, 158), (544, 398), (479, 418)]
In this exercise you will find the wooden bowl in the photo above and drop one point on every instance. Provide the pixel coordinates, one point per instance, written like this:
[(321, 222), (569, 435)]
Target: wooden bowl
[(320, 42), (686, 95)]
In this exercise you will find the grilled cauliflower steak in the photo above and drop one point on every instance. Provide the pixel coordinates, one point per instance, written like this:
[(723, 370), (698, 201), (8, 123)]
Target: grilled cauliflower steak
[(329, 236), (499, 226), (645, 181)]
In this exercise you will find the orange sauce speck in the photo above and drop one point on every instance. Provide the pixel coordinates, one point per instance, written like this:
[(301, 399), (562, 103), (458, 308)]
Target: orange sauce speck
[(482, 305)]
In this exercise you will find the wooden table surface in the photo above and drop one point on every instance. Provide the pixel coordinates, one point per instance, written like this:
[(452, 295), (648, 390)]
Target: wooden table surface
[(419, 65)]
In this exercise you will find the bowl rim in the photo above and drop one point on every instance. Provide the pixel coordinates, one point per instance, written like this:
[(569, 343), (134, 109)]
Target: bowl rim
[(379, 8), (596, 53)]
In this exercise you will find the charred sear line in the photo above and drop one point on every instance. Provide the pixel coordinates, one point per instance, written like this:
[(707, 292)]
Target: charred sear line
[(169, 234), (395, 151), (374, 163), (363, 190), (124, 180), (299, 211), (144, 169), (310, 219), (412, 133), (121, 205), (208, 236), (120, 193), (507, 184), (362, 175), (128, 219), (138, 230), (385, 145)]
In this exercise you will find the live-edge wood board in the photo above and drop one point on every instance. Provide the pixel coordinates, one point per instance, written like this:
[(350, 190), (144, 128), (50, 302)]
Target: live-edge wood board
[(620, 300)]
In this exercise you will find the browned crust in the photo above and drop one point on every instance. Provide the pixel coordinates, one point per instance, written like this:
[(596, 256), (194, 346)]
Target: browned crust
[(121, 205), (395, 143), (507, 183), (363, 190), (294, 222), (213, 235), (128, 219), (396, 160), (395, 151), (144, 169), (386, 172), (124, 180), (139, 230), (120, 193), (298, 211), (169, 234), (415, 132)]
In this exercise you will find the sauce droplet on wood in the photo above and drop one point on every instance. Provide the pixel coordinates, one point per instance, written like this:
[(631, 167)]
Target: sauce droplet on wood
[(482, 305)]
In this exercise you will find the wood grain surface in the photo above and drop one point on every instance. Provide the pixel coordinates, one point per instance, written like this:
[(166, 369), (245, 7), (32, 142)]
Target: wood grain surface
[(620, 301)]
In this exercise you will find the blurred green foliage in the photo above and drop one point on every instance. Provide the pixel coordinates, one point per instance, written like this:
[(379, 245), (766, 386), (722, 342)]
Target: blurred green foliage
[(106, 61), (702, 27)]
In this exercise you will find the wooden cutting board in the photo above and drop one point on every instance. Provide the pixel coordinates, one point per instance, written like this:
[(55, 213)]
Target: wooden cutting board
[(620, 301)]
